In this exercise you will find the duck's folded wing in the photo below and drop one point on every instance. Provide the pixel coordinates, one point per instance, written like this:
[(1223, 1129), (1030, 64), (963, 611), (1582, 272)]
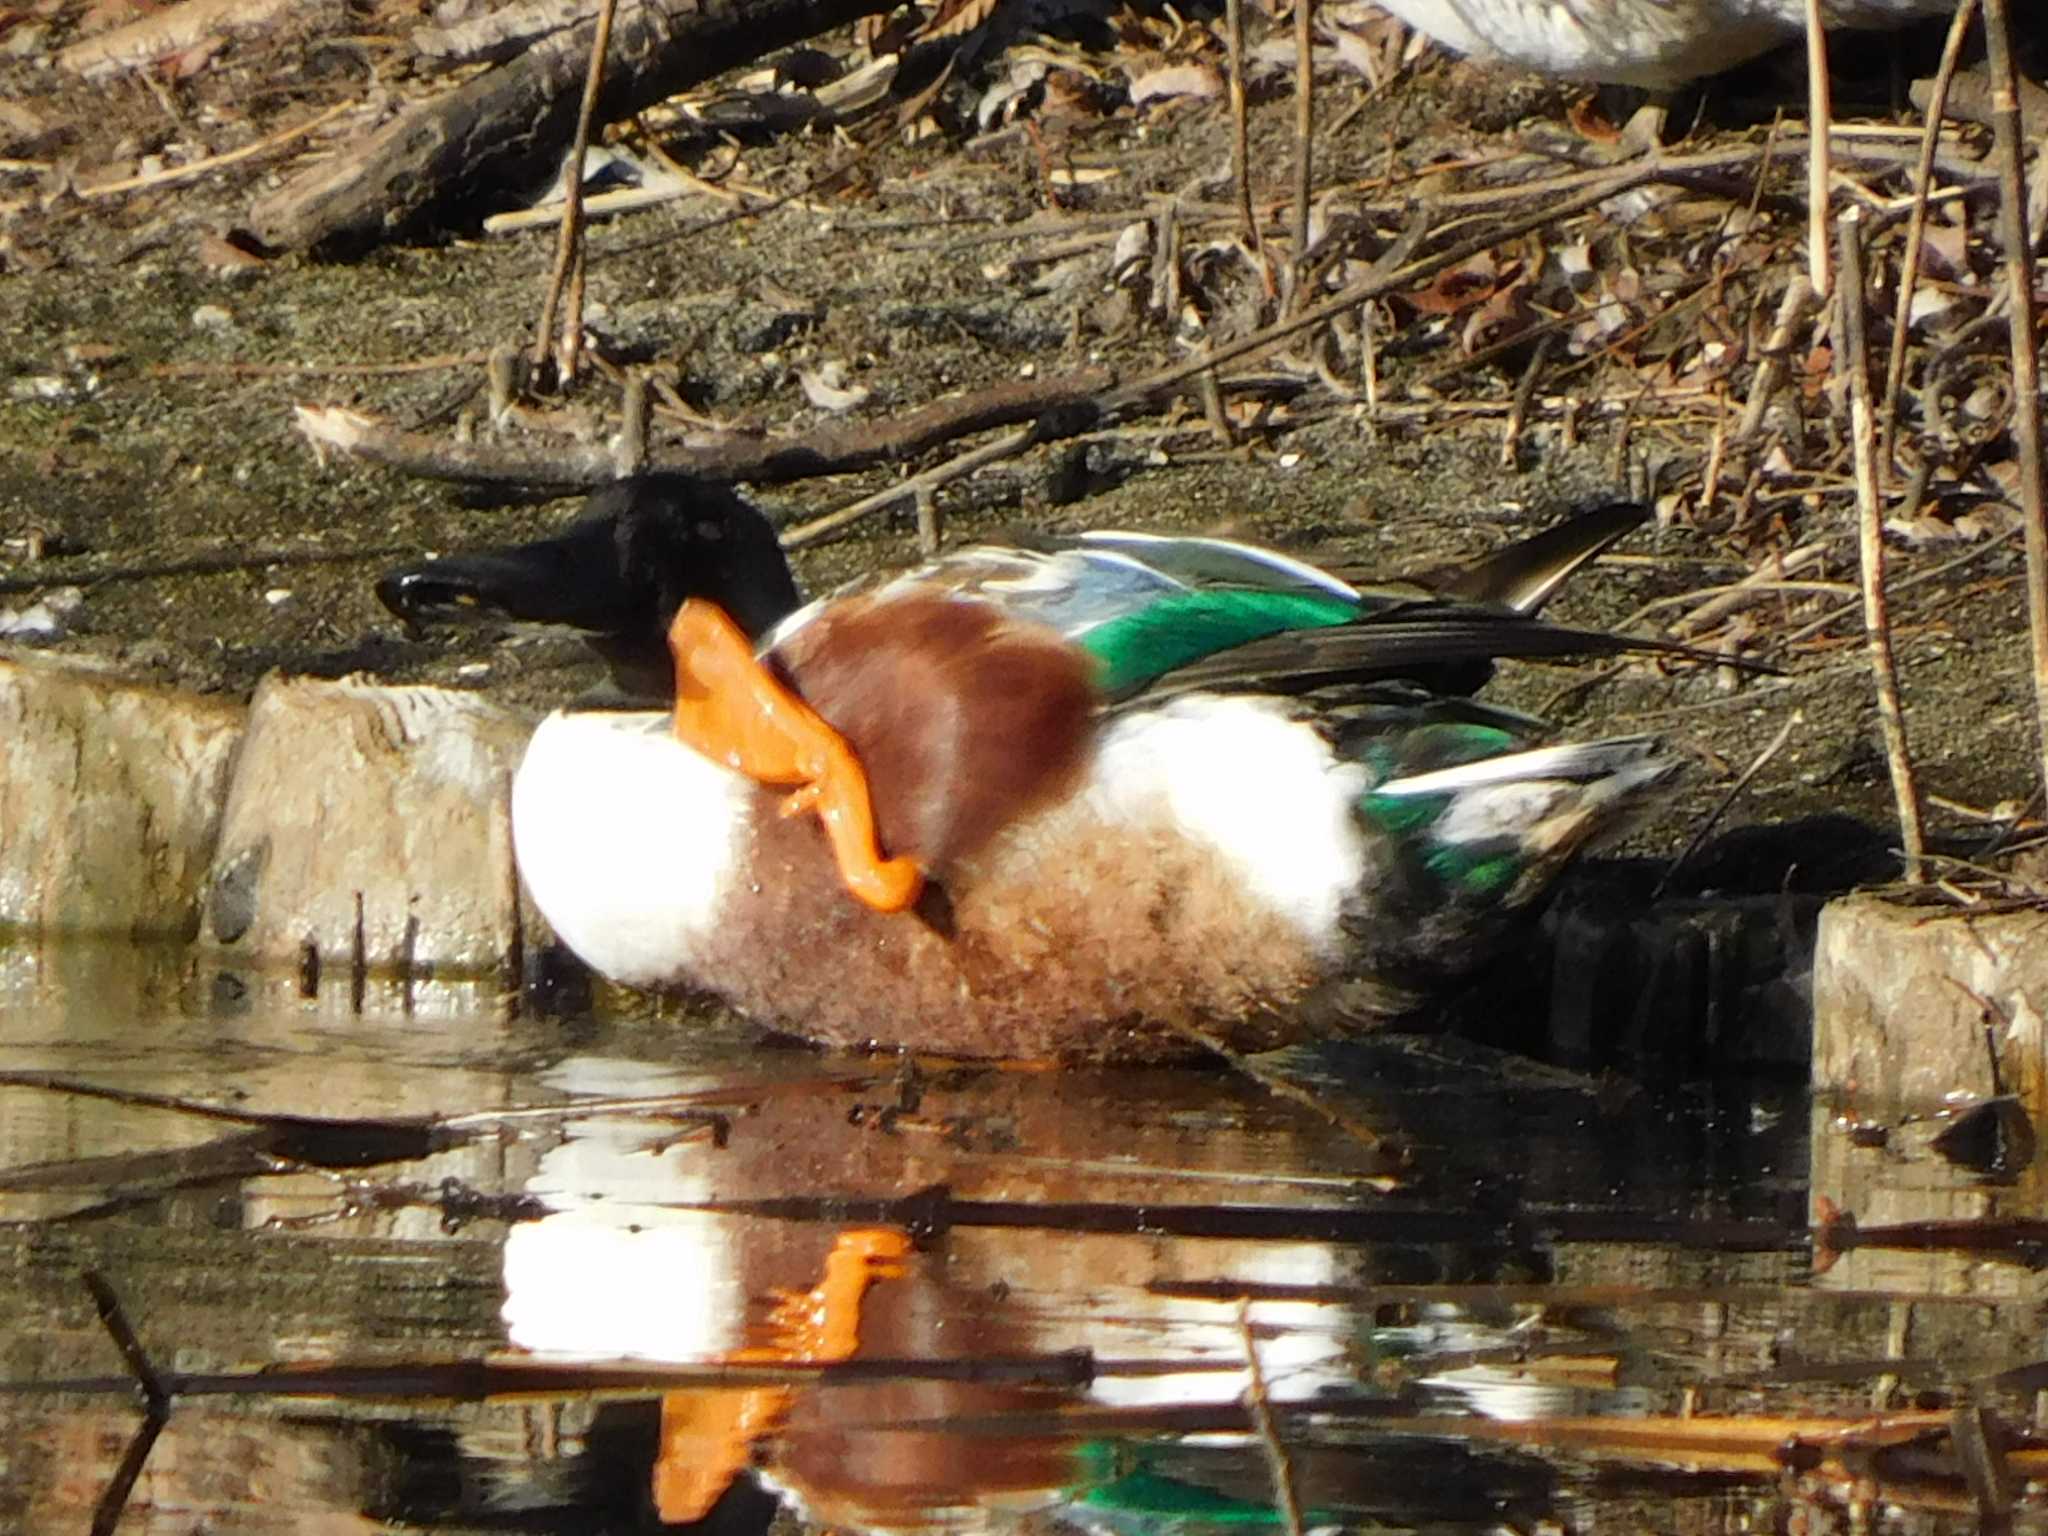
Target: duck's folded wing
[(1445, 647)]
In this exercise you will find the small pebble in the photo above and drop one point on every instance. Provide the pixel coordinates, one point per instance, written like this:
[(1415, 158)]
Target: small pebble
[(47, 619), (39, 386)]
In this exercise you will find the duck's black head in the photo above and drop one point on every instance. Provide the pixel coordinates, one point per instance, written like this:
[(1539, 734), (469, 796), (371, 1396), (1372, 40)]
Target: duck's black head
[(616, 575)]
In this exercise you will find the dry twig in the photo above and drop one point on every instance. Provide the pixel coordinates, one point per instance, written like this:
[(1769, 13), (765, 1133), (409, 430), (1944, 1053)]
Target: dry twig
[(1820, 117), (1304, 142), (1240, 130), (1792, 310), (919, 486), (1261, 1406), (195, 168), (1852, 356), (828, 448), (1721, 808), (569, 248), (2026, 374), (1909, 269)]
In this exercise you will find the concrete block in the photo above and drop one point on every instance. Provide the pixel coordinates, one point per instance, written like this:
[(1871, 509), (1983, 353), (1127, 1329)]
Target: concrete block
[(1902, 998), (369, 827), (110, 800)]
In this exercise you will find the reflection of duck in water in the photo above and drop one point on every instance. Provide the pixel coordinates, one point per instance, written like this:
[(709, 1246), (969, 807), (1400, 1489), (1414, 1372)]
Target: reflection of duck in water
[(708, 1435), (1655, 43), (1157, 787), (667, 1250)]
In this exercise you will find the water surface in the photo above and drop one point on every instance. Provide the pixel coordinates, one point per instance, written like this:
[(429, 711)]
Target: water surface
[(421, 1258)]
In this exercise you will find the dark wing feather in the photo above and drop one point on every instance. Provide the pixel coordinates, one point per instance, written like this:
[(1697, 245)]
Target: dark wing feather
[(1525, 574), (1444, 647)]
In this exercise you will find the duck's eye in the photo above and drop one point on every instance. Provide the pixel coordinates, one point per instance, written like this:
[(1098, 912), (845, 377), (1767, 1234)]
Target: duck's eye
[(710, 532)]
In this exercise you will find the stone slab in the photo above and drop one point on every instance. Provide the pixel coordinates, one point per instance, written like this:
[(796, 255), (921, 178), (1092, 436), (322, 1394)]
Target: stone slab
[(1903, 995), (369, 827), (110, 800)]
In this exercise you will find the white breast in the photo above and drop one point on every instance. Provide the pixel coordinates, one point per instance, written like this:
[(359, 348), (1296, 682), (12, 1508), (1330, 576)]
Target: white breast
[(627, 839), (633, 845)]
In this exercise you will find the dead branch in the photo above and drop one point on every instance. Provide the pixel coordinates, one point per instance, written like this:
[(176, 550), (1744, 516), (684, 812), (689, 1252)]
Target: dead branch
[(1972, 96), (1261, 1405), (506, 130), (827, 449)]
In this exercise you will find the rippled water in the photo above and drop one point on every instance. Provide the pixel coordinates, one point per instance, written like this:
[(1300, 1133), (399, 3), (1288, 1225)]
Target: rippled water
[(416, 1257)]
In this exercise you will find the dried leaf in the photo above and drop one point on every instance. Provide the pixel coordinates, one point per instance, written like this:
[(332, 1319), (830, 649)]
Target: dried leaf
[(1357, 55), (1196, 77), (1929, 304), (1933, 523), (1592, 123), (1815, 369), (890, 32), (1133, 245), (1081, 175), (999, 102), (1713, 362), (225, 258), (956, 17), (1505, 313), (20, 129), (1945, 251), (1069, 93), (187, 62), (102, 15), (825, 388), (1457, 289)]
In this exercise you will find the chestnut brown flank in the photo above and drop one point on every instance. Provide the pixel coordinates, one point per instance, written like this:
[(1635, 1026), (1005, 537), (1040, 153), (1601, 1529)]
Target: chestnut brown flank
[(965, 719)]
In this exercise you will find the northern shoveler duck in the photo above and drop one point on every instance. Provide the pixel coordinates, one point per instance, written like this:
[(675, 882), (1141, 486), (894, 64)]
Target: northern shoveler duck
[(1091, 798), (1657, 44)]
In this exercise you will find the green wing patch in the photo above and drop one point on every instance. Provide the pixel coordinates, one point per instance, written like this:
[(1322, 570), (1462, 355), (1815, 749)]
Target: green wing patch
[(1184, 627)]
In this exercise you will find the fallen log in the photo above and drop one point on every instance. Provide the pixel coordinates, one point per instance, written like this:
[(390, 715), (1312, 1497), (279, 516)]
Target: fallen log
[(444, 162)]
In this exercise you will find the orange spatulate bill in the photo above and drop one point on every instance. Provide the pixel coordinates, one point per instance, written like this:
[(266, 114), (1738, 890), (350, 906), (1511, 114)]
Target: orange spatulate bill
[(731, 709)]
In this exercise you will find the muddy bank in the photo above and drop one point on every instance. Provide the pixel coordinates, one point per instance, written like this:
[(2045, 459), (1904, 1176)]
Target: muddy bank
[(147, 458)]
